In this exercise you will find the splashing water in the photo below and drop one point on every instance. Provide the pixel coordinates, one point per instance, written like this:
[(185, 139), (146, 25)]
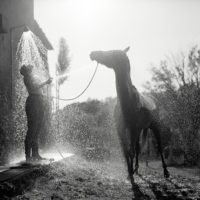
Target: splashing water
[(48, 155), (31, 51)]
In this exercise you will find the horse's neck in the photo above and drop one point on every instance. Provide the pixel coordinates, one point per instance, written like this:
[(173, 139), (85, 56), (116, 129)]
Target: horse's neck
[(126, 92)]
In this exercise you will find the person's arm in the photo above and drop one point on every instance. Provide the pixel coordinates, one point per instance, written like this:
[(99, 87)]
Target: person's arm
[(32, 85), (44, 83)]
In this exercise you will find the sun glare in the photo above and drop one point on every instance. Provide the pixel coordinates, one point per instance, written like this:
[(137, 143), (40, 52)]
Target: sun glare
[(88, 13), (81, 9), (147, 26)]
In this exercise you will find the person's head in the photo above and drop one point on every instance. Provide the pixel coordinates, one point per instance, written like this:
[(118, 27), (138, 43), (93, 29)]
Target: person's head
[(26, 69)]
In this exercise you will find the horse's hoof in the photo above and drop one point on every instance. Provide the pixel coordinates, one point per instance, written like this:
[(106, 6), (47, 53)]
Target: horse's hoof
[(166, 173), (135, 171), (134, 186), (132, 182), (131, 179)]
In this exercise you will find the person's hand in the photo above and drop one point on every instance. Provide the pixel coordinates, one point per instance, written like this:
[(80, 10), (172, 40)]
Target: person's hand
[(49, 80)]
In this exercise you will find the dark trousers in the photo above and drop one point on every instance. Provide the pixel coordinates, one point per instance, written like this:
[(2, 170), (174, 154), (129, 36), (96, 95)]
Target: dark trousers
[(35, 111)]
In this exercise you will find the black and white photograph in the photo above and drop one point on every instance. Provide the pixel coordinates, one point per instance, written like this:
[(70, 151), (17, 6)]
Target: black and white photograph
[(99, 100)]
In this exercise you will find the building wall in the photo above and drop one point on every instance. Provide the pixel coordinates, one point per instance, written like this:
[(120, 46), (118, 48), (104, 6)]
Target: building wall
[(5, 63), (15, 13)]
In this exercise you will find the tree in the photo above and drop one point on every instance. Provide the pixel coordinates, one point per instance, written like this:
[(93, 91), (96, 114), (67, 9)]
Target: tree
[(62, 68), (176, 86), (63, 61)]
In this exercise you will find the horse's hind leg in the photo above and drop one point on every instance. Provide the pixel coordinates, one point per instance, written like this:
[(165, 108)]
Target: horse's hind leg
[(155, 127)]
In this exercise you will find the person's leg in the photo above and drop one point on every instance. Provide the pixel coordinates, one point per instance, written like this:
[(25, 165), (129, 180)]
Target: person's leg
[(40, 121), (27, 146), (30, 112)]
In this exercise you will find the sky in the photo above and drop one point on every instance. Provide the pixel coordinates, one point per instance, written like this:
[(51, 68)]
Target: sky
[(152, 28)]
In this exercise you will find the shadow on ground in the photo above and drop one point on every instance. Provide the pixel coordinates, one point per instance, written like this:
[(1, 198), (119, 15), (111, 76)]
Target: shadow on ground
[(75, 178)]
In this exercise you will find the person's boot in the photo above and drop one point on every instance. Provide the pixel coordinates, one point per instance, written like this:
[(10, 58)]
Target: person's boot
[(29, 159), (38, 157), (35, 153)]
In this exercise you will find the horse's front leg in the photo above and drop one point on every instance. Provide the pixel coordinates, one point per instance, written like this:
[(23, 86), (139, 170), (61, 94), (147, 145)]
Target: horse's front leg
[(131, 157), (126, 143), (135, 136), (129, 162), (124, 137), (137, 151)]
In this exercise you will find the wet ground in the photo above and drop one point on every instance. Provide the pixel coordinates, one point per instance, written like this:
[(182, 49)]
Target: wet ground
[(75, 178)]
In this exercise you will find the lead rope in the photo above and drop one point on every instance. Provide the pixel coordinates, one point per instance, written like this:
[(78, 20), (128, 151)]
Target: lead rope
[(76, 97)]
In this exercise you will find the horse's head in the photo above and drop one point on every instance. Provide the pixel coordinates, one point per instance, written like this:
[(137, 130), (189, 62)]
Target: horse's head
[(115, 59)]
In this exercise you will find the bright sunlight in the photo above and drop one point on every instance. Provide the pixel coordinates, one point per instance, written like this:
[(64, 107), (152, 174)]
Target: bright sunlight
[(152, 29)]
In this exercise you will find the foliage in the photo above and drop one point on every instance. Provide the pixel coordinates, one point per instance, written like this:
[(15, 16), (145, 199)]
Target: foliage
[(176, 86), (88, 125)]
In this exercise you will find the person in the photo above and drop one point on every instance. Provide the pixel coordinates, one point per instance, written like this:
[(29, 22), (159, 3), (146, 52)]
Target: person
[(35, 110)]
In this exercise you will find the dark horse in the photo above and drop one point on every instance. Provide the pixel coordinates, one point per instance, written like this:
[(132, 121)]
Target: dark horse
[(133, 112)]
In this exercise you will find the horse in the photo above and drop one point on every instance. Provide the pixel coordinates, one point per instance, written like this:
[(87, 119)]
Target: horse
[(133, 113)]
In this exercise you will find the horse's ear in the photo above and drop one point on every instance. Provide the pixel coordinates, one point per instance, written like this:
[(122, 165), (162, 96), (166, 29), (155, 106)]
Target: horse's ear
[(126, 49)]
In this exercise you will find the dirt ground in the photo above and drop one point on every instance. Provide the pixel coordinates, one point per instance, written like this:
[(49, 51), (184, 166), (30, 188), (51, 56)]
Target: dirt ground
[(75, 178)]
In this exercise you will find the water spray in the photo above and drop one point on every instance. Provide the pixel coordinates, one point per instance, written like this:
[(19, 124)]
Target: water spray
[(81, 93), (29, 52), (61, 76)]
